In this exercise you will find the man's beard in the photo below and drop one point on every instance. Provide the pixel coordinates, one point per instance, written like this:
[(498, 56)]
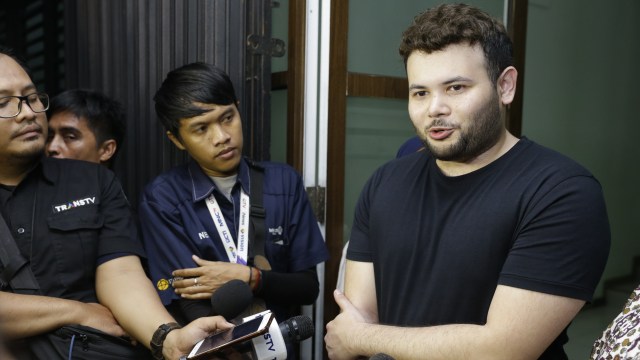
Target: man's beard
[(30, 152), (29, 155), (30, 149), (485, 128)]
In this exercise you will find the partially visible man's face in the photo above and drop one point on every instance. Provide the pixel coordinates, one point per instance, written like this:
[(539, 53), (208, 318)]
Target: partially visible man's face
[(453, 104), (21, 137), (213, 139), (70, 138)]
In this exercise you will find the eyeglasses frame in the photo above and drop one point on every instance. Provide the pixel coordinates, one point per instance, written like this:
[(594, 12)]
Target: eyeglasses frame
[(25, 98)]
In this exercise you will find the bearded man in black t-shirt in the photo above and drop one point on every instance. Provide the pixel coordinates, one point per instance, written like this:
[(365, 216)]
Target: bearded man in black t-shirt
[(484, 246)]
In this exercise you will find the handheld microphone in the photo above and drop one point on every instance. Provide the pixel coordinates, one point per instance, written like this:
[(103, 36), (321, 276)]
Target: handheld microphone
[(296, 329), (231, 299), (272, 345)]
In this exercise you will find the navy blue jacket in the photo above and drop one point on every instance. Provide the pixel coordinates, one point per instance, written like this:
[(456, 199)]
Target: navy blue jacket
[(176, 222)]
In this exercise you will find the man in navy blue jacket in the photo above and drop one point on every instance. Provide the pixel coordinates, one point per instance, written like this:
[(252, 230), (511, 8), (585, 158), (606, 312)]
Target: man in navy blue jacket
[(195, 218)]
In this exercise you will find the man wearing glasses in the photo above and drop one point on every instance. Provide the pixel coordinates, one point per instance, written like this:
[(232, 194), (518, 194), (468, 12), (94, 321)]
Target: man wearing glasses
[(71, 282)]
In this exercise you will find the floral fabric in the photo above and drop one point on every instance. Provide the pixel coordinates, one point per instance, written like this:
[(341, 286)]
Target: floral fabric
[(621, 339)]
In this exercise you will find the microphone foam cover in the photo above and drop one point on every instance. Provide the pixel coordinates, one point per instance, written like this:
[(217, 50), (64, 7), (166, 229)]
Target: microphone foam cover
[(297, 328), (231, 299)]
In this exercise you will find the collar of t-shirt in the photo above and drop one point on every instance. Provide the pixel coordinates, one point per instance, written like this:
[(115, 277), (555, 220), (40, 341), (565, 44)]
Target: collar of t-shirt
[(203, 186), (225, 184)]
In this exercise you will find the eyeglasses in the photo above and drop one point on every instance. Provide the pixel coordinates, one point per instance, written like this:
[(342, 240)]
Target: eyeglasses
[(11, 106)]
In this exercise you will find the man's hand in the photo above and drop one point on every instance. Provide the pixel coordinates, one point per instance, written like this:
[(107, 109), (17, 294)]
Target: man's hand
[(179, 342), (340, 330), (199, 283), (99, 317)]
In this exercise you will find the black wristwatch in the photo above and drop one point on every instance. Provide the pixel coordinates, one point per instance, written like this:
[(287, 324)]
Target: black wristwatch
[(158, 339)]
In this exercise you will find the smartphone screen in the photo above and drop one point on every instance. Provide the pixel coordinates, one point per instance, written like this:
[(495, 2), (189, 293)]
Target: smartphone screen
[(237, 334)]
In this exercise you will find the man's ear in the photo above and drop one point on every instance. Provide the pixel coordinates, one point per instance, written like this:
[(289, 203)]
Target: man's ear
[(174, 139), (107, 150), (507, 85)]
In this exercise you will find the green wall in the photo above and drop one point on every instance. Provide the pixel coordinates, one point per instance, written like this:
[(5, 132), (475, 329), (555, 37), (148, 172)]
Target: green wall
[(580, 98), (375, 30)]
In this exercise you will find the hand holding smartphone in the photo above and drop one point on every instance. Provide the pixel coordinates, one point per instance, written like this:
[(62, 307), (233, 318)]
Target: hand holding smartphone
[(247, 330)]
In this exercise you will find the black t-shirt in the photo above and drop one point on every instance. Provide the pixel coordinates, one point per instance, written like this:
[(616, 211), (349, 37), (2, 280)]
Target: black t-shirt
[(532, 219), (65, 216)]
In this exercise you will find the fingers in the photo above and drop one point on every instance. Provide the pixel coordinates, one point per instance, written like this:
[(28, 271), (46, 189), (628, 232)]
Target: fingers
[(342, 301), (184, 283), (212, 323), (193, 289), (331, 342), (114, 330), (201, 262), (181, 341), (187, 273), (197, 271), (197, 296)]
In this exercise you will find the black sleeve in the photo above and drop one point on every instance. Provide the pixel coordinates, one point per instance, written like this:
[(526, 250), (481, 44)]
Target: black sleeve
[(299, 288), (190, 310)]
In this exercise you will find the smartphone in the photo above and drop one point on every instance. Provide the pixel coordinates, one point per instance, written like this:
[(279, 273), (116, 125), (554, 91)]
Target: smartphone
[(247, 330)]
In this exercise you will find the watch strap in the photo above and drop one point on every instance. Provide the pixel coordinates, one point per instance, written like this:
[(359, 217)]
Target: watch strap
[(158, 338)]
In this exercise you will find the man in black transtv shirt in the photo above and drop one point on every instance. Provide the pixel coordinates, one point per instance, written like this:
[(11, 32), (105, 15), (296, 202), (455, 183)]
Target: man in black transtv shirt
[(71, 220), (484, 246)]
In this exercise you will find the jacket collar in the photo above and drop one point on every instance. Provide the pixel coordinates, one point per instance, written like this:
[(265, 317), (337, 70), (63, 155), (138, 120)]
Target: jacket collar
[(48, 168), (203, 186)]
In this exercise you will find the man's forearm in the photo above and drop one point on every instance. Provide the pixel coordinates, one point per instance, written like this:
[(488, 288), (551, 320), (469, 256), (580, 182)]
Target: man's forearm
[(520, 324), (29, 315), (123, 287), (461, 341)]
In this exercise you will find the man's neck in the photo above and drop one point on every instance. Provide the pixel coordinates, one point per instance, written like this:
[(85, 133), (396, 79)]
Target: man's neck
[(225, 184), (452, 168)]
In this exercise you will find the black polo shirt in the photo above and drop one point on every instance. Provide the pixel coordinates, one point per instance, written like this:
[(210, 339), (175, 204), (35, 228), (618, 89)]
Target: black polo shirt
[(67, 216)]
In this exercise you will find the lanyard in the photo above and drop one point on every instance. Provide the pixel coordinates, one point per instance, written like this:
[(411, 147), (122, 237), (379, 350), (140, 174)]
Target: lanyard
[(236, 254)]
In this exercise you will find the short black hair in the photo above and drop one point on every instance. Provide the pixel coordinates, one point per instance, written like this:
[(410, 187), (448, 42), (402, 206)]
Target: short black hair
[(104, 115), (187, 85), (448, 24)]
